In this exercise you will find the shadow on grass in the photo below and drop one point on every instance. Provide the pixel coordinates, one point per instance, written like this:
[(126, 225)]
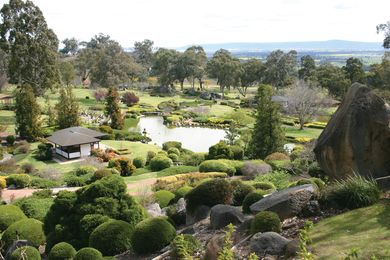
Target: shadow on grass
[(384, 216)]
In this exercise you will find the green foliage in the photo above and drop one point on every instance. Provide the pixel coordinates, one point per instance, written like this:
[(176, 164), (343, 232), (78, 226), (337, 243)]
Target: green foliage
[(353, 192), (88, 253), (264, 185), (216, 166), (279, 178), (85, 170), (280, 68), (177, 170), (62, 251), (68, 114), (304, 241), (89, 223), (220, 150), (267, 134), (184, 247), (99, 174), (123, 165), (158, 233), (249, 199), (26, 253), (139, 162), (112, 237), (174, 157), (240, 190), (160, 162), (277, 156), (227, 253), (45, 151), (10, 139), (238, 152), (18, 180), (27, 229), (34, 207), (112, 109), (266, 221), (164, 197), (209, 193), (182, 191), (174, 150), (171, 144), (9, 214), (193, 159)]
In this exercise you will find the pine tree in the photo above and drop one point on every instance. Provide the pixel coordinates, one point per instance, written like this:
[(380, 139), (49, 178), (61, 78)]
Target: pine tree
[(67, 109), (267, 134), (27, 113), (113, 110)]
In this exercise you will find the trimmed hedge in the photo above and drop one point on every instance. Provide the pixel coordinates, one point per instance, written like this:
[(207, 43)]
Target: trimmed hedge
[(152, 234), (27, 229), (171, 144), (181, 192), (266, 221), (249, 199), (177, 170), (18, 180), (112, 237), (36, 208), (26, 253), (88, 253), (139, 162), (62, 251), (10, 214), (216, 166), (160, 162), (164, 197)]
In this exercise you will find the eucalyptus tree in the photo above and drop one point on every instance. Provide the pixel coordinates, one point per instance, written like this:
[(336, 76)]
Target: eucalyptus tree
[(165, 66), (252, 74), (280, 68), (196, 61)]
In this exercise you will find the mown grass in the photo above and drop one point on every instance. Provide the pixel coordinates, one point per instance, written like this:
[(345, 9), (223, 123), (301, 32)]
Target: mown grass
[(7, 119), (306, 132), (366, 229), (135, 149)]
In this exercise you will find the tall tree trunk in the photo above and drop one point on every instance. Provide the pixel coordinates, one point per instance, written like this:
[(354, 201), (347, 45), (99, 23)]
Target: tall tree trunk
[(182, 85)]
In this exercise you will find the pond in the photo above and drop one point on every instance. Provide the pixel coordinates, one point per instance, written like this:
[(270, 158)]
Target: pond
[(197, 139)]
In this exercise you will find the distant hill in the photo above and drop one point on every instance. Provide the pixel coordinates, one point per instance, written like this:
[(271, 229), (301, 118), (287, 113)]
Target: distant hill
[(316, 46)]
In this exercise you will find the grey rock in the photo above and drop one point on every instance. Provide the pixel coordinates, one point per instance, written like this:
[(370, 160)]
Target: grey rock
[(181, 205), (15, 245), (201, 212), (222, 215), (292, 248), (154, 210), (286, 203), (311, 209), (246, 225), (268, 243)]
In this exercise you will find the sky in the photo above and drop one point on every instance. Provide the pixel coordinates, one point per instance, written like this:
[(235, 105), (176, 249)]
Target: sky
[(176, 23)]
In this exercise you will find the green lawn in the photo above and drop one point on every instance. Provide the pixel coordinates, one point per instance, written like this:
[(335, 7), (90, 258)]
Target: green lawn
[(144, 176), (306, 132), (367, 229), (7, 118), (135, 148)]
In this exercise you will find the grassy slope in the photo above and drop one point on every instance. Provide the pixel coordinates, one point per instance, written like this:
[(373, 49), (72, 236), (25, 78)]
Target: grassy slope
[(367, 229), (306, 132), (136, 149)]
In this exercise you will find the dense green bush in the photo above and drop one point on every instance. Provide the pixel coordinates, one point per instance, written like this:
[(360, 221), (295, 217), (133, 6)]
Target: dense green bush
[(88, 253), (181, 192), (9, 214), (177, 170), (152, 235), (112, 237), (105, 129), (278, 178), (216, 166), (10, 139), (123, 165), (160, 162), (210, 193), (72, 180), (174, 157), (171, 144), (353, 192), (149, 156), (164, 197), (238, 152), (240, 190), (62, 251), (99, 174), (276, 157), (27, 229), (266, 221), (249, 199), (45, 152), (238, 165), (193, 159), (18, 180), (34, 207), (264, 185), (85, 170), (220, 150), (139, 162), (41, 183), (174, 150), (3, 182), (26, 253), (184, 246), (89, 223)]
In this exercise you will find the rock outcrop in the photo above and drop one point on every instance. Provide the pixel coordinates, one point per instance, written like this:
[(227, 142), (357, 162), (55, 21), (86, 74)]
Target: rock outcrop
[(268, 243), (286, 203), (357, 137), (222, 215)]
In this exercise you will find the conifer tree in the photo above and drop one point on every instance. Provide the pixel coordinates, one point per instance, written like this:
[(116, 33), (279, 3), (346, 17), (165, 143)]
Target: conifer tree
[(113, 110), (27, 113), (267, 136), (67, 109)]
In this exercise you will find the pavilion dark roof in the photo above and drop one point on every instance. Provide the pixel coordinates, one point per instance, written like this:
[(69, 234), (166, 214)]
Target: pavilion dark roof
[(74, 136)]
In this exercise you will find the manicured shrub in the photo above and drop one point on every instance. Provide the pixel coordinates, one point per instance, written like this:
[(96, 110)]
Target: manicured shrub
[(160, 162), (163, 197), (266, 221), (238, 152), (139, 162), (171, 144), (149, 156), (88, 253), (151, 235), (177, 170), (174, 157), (89, 223), (276, 157), (26, 253), (184, 246), (193, 159), (112, 237), (45, 151), (220, 150), (18, 180), (353, 192), (72, 180), (85, 170), (216, 166), (34, 207), (26, 229), (240, 190), (264, 185), (249, 199), (181, 192), (10, 139), (237, 165), (62, 251), (174, 150), (123, 165), (3, 182), (251, 169), (106, 129), (210, 193), (279, 178), (99, 174), (9, 214), (28, 167)]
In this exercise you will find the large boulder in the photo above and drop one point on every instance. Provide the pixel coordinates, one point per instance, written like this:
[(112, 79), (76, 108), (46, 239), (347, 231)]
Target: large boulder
[(154, 210), (268, 243), (201, 212), (357, 137), (222, 215), (286, 203)]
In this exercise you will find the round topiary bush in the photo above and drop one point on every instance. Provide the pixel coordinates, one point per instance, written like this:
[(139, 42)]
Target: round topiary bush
[(62, 251), (171, 144), (163, 197), (27, 229), (181, 192), (9, 214), (34, 207), (160, 162), (174, 150), (88, 224), (88, 253), (26, 252), (266, 221), (174, 157), (240, 190), (112, 237), (216, 166), (249, 199), (264, 185), (139, 162), (99, 174), (276, 157), (209, 193), (152, 234)]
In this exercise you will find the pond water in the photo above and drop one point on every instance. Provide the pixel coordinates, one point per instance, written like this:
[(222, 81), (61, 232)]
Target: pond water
[(197, 139)]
